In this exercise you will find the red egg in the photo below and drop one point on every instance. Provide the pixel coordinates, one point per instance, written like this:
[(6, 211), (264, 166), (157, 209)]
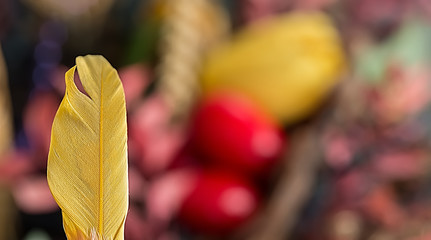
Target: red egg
[(218, 203), (230, 131)]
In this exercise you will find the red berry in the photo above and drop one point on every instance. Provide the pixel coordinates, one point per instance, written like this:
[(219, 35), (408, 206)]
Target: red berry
[(218, 203), (230, 131)]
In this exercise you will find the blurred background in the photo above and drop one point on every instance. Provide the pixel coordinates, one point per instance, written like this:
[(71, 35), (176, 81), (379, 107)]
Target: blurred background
[(248, 119)]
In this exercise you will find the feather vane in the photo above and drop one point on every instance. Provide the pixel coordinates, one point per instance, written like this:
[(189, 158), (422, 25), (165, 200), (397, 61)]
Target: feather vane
[(87, 162)]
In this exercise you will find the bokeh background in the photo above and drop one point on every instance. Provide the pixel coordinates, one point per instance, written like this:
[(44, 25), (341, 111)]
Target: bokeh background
[(248, 119)]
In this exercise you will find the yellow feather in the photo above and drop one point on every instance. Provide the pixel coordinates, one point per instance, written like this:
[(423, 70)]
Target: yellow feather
[(87, 163)]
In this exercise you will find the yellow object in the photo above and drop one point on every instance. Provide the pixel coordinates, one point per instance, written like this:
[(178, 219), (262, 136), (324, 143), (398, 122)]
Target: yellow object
[(5, 109), (87, 163), (287, 64), (72, 10), (8, 213)]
